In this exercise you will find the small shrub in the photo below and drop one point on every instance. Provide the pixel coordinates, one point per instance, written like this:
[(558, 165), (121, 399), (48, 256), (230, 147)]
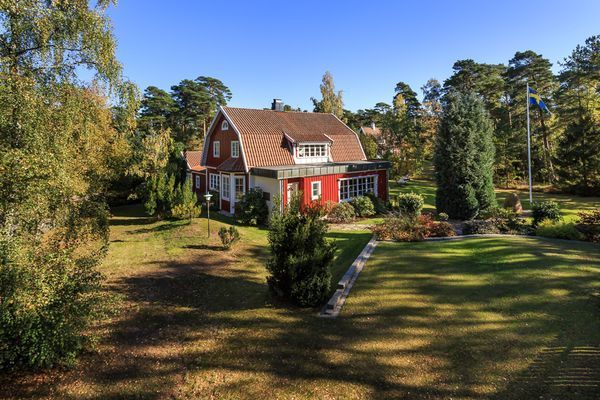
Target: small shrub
[(442, 216), (253, 209), (399, 228), (380, 206), (545, 210), (186, 206), (342, 213), (363, 206), (431, 228), (480, 227), (558, 230), (229, 236), (589, 217), (410, 204)]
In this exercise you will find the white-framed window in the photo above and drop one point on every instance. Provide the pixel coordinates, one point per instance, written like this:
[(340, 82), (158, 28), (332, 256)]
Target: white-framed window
[(213, 182), (197, 181), (358, 186), (216, 149), (225, 187), (235, 148), (224, 125), (315, 190), (240, 187), (312, 150)]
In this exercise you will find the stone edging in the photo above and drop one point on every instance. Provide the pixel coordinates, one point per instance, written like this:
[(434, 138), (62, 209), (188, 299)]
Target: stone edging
[(334, 306)]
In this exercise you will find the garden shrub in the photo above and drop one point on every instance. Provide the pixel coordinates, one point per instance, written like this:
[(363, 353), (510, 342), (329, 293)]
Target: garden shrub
[(380, 206), (558, 230), (363, 206), (480, 227), (161, 194), (229, 236), (442, 216), (301, 257), (215, 200), (186, 206), (545, 210), (589, 225), (342, 213), (399, 228), (253, 209), (410, 204), (589, 217), (431, 228)]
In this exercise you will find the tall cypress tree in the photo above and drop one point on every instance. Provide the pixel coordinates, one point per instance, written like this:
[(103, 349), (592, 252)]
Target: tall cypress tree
[(464, 157)]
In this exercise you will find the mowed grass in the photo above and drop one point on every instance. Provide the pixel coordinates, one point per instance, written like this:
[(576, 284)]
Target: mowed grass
[(569, 205), (509, 318)]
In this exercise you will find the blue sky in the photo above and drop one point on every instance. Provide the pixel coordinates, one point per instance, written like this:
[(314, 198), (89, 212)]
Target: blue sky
[(263, 50)]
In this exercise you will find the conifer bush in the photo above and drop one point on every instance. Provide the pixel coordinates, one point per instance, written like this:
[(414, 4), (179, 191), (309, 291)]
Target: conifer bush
[(464, 157), (300, 261), (187, 206), (229, 236), (410, 204), (545, 210)]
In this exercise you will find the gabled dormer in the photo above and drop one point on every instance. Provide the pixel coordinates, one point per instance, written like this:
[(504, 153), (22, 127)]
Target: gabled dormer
[(309, 148)]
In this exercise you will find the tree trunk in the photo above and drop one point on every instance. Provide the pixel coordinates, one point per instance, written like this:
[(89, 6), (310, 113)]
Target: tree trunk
[(547, 153)]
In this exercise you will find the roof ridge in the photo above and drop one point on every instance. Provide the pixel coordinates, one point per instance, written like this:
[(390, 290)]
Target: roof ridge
[(275, 111)]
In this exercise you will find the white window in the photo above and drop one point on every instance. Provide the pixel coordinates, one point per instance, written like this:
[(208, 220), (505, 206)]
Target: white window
[(316, 190), (213, 183), (235, 148), (240, 187), (312, 150), (197, 182), (224, 125), (359, 186), (225, 187), (216, 149)]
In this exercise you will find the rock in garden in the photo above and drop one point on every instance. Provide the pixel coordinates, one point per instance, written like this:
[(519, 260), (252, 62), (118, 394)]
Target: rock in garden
[(512, 201)]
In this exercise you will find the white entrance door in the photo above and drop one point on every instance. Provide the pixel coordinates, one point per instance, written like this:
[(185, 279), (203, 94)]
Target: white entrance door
[(238, 190), (292, 189)]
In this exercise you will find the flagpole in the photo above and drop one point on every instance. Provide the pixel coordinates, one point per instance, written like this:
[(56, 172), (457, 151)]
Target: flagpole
[(529, 150)]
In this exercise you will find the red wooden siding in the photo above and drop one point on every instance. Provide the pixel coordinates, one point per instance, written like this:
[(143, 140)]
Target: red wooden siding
[(329, 186), (202, 189), (225, 137)]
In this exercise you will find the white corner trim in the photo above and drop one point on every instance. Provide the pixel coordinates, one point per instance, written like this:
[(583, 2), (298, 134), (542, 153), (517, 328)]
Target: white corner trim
[(205, 146)]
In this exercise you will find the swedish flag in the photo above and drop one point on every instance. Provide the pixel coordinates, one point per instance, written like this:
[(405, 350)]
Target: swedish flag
[(535, 98)]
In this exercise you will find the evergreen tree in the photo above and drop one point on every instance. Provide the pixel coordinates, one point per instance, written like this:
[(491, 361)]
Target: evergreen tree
[(578, 98), (157, 108), (464, 157)]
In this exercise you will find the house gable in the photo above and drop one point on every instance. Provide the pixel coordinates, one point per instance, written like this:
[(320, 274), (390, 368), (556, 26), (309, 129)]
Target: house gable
[(216, 133)]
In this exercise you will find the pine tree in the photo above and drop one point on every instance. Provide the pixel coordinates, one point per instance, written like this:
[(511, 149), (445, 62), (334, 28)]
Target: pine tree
[(464, 157)]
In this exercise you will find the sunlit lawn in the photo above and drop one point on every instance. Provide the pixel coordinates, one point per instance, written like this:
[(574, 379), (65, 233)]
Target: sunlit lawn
[(469, 319)]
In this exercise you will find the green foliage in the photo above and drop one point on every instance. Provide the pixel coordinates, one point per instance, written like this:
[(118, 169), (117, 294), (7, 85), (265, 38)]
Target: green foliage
[(301, 258), (215, 200), (590, 217), (186, 204), (253, 209), (558, 230), (342, 212), (464, 157), (545, 210), (399, 228), (480, 227), (331, 101), (369, 145), (161, 195), (363, 206), (410, 204), (229, 236), (380, 206), (443, 216)]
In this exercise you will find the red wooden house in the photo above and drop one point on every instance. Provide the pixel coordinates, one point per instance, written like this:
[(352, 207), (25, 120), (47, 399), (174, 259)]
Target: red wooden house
[(285, 152)]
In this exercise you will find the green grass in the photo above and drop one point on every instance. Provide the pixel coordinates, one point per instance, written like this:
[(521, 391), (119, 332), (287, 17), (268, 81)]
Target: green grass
[(473, 319), (570, 205)]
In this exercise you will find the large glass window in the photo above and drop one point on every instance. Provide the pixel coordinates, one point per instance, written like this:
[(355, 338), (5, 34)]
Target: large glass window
[(225, 187), (213, 183), (354, 187), (312, 150)]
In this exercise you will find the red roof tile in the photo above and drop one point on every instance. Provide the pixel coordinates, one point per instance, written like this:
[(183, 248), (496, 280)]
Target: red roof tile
[(264, 143), (193, 159), (232, 164)]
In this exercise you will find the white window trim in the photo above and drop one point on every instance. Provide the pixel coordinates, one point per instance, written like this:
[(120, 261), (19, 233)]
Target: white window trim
[(312, 190), (197, 181), (224, 125), (217, 149), (238, 148), (235, 178), (375, 188), (223, 186), (210, 182)]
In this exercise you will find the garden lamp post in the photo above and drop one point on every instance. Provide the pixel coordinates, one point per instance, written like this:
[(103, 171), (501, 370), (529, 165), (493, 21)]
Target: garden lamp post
[(207, 196)]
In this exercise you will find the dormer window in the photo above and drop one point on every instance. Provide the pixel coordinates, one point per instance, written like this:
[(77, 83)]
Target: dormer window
[(224, 125), (312, 150)]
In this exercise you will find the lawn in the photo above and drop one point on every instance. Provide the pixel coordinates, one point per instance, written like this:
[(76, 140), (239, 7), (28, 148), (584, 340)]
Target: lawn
[(429, 320)]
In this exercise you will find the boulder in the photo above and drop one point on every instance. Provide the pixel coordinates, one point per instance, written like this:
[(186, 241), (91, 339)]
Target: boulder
[(513, 202)]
